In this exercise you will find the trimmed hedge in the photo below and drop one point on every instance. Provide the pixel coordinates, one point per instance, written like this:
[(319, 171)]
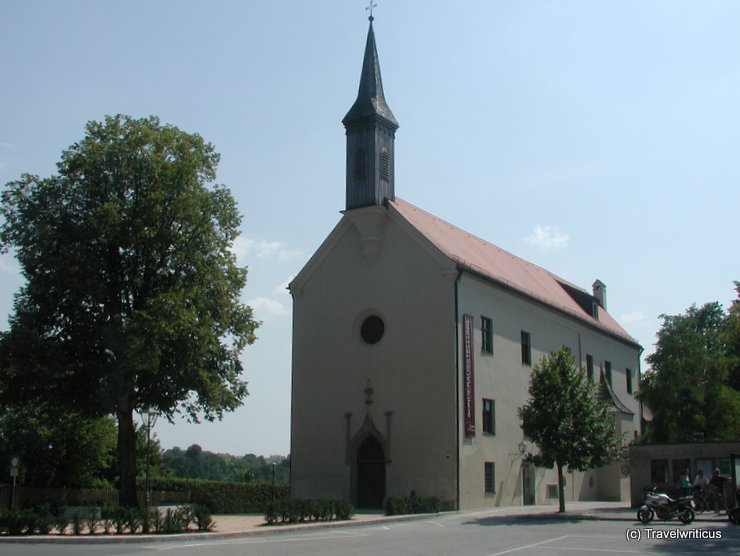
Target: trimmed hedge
[(290, 510), (106, 520), (400, 505), (225, 498)]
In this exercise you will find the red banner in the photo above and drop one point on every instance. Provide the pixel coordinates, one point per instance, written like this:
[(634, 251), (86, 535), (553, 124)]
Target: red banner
[(468, 376)]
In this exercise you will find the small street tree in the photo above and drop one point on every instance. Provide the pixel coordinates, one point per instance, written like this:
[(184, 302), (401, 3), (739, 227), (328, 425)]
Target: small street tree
[(566, 420), (132, 293)]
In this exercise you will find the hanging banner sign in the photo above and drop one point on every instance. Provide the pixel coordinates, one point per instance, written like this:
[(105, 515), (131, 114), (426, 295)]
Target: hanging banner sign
[(468, 377)]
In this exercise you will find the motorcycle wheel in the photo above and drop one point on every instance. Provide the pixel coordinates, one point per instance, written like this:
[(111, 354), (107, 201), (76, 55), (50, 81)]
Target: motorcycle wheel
[(645, 514), (686, 515), (734, 516)]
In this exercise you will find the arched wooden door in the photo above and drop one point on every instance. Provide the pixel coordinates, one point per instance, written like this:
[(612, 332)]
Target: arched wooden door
[(370, 474)]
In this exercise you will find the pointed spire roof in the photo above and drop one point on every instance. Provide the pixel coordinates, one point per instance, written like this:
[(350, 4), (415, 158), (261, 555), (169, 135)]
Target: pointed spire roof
[(370, 101)]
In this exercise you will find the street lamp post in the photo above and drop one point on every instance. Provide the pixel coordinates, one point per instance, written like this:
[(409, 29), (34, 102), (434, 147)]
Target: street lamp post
[(150, 416)]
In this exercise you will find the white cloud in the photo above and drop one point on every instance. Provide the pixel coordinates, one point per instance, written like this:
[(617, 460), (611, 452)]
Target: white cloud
[(633, 317), (5, 145), (547, 237), (269, 306), (263, 249)]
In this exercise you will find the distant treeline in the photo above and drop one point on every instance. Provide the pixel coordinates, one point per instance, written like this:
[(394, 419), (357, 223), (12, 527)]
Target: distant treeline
[(196, 463)]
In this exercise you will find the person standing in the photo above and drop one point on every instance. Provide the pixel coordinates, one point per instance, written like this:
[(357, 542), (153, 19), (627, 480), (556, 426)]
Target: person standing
[(700, 481), (686, 482), (718, 482)]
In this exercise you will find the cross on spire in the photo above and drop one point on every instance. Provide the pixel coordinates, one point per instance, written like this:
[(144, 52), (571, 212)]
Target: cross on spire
[(370, 7)]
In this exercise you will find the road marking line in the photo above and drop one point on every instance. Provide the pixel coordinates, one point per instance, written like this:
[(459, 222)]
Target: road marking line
[(529, 546), (261, 541), (596, 550), (438, 524), (350, 533)]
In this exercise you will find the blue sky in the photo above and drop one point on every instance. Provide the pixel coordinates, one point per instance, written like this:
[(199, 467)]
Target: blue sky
[(596, 139)]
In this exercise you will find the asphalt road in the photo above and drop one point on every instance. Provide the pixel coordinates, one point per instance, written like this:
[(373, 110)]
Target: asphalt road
[(459, 534)]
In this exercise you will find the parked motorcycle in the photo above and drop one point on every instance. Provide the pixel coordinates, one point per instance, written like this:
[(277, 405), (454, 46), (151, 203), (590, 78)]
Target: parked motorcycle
[(660, 505), (734, 513)]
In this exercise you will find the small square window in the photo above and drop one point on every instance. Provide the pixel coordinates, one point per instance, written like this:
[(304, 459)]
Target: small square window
[(489, 416), (490, 478), (486, 329), (526, 348)]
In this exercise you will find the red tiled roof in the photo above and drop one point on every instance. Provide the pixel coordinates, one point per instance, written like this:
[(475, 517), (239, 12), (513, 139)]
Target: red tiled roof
[(492, 262)]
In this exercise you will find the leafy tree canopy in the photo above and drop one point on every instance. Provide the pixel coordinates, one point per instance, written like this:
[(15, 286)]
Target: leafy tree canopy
[(196, 463), (566, 420), (692, 385), (132, 294), (65, 449)]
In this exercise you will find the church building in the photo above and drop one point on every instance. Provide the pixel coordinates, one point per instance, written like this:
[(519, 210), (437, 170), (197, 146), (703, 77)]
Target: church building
[(413, 344)]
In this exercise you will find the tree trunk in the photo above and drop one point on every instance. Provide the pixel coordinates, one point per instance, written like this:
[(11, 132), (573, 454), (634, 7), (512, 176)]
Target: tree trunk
[(561, 488), (126, 449)]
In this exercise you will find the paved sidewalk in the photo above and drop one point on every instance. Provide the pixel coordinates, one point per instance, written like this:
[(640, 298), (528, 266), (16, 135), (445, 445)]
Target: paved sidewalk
[(612, 511), (253, 523), (228, 526)]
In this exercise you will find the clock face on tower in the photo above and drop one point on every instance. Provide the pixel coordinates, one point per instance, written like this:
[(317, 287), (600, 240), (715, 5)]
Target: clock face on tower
[(372, 329)]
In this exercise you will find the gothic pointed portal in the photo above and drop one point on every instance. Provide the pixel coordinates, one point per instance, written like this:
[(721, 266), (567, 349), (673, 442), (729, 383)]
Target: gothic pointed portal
[(371, 132), (370, 474)]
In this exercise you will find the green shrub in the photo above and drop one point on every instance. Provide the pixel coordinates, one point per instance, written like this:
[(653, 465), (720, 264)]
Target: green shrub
[(396, 505), (343, 510), (119, 520), (401, 505), (27, 521), (92, 521), (61, 523), (107, 525), (77, 523), (18, 522), (44, 523), (133, 520), (322, 510), (271, 513), (203, 519), (291, 510)]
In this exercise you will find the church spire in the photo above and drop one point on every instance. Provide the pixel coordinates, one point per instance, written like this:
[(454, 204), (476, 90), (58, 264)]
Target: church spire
[(371, 130), (370, 98)]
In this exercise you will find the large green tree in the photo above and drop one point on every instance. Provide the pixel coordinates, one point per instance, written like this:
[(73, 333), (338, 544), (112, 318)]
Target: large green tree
[(691, 385), (566, 419), (132, 293)]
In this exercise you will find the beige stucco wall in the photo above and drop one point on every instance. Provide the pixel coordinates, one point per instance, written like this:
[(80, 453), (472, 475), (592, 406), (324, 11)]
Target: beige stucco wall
[(503, 378), (411, 370), (375, 263)]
